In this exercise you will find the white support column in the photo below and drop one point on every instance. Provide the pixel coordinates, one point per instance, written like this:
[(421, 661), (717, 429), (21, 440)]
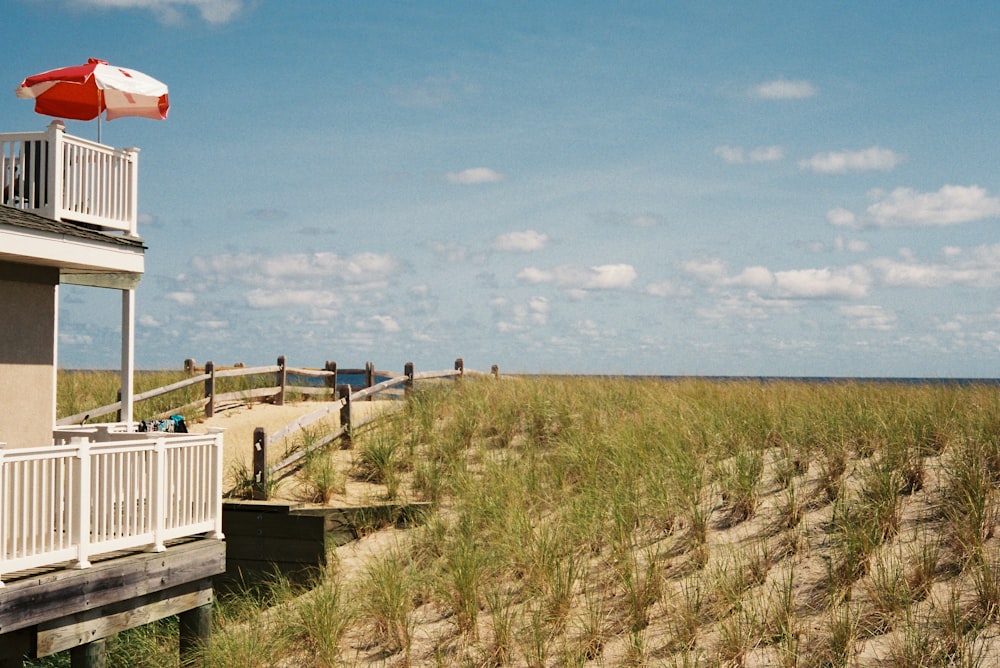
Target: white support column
[(128, 356)]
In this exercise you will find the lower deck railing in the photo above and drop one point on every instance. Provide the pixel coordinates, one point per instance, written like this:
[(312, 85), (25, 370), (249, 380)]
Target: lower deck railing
[(125, 490)]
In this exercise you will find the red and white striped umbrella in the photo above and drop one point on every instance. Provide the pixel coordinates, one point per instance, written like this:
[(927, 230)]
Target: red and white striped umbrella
[(84, 92)]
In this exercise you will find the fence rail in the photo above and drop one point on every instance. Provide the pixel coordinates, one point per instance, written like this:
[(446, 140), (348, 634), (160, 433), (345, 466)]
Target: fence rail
[(275, 392), (69, 502)]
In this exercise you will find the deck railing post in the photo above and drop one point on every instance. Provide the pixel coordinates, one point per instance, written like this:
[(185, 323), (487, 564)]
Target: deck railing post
[(132, 164), (330, 381), (210, 389), (218, 452), (159, 494), (370, 378), (259, 489), (281, 380), (408, 372), (54, 175), (3, 522), (81, 506), (344, 391)]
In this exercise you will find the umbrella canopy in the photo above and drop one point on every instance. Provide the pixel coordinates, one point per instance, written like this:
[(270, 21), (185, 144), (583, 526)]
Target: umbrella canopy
[(83, 92)]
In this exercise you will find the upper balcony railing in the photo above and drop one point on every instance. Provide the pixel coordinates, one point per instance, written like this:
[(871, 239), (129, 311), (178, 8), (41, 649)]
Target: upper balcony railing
[(67, 178)]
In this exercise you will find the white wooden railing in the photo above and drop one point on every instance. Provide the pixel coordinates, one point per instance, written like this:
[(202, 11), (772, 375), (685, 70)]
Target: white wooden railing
[(68, 178), (125, 490)]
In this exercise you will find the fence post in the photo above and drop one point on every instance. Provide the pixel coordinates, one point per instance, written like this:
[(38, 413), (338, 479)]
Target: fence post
[(282, 378), (496, 370), (408, 372), (118, 398), (189, 366), (330, 381), (460, 367), (370, 377), (344, 391), (210, 389), (259, 465)]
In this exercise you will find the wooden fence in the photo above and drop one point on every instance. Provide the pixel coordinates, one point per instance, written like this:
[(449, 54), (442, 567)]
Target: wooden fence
[(275, 392)]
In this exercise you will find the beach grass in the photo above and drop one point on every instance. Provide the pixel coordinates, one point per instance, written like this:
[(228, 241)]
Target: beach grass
[(612, 521)]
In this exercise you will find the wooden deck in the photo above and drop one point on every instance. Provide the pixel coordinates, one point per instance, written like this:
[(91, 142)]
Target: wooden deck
[(42, 613)]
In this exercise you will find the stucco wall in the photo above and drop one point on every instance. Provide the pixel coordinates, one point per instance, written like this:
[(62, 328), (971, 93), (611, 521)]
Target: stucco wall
[(27, 354)]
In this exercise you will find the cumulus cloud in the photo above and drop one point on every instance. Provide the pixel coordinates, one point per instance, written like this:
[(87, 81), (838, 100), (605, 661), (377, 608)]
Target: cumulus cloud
[(516, 317), (784, 89), (172, 11), (868, 316), (577, 278), (255, 268), (182, 298), (386, 323), (736, 155), (526, 241), (978, 267), (814, 283), (290, 297), (874, 158), (474, 176), (905, 207)]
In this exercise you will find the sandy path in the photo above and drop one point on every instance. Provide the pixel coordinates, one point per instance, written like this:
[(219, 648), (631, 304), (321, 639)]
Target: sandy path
[(240, 422)]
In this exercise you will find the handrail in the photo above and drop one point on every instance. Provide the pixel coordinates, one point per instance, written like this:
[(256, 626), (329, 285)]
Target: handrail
[(71, 502)]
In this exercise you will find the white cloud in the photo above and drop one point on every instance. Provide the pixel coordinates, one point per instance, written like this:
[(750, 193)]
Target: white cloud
[(706, 270), (75, 339), (535, 275), (851, 245), (171, 11), (663, 289), (905, 207), (386, 323), (825, 283), (840, 162), (474, 175), (846, 283), (577, 280), (978, 267), (291, 268), (149, 321), (784, 89), (267, 298), (865, 316), (183, 298), (736, 155), (526, 241)]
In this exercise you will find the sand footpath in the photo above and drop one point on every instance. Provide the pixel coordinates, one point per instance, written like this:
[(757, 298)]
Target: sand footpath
[(240, 422)]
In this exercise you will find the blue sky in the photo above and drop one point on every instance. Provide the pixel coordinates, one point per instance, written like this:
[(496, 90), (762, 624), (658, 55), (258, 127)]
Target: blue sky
[(758, 188)]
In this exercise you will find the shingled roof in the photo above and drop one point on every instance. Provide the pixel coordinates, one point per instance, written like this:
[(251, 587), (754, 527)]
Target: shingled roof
[(32, 221)]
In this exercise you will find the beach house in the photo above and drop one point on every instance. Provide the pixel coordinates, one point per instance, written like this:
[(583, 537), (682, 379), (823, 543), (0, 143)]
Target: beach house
[(101, 527)]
